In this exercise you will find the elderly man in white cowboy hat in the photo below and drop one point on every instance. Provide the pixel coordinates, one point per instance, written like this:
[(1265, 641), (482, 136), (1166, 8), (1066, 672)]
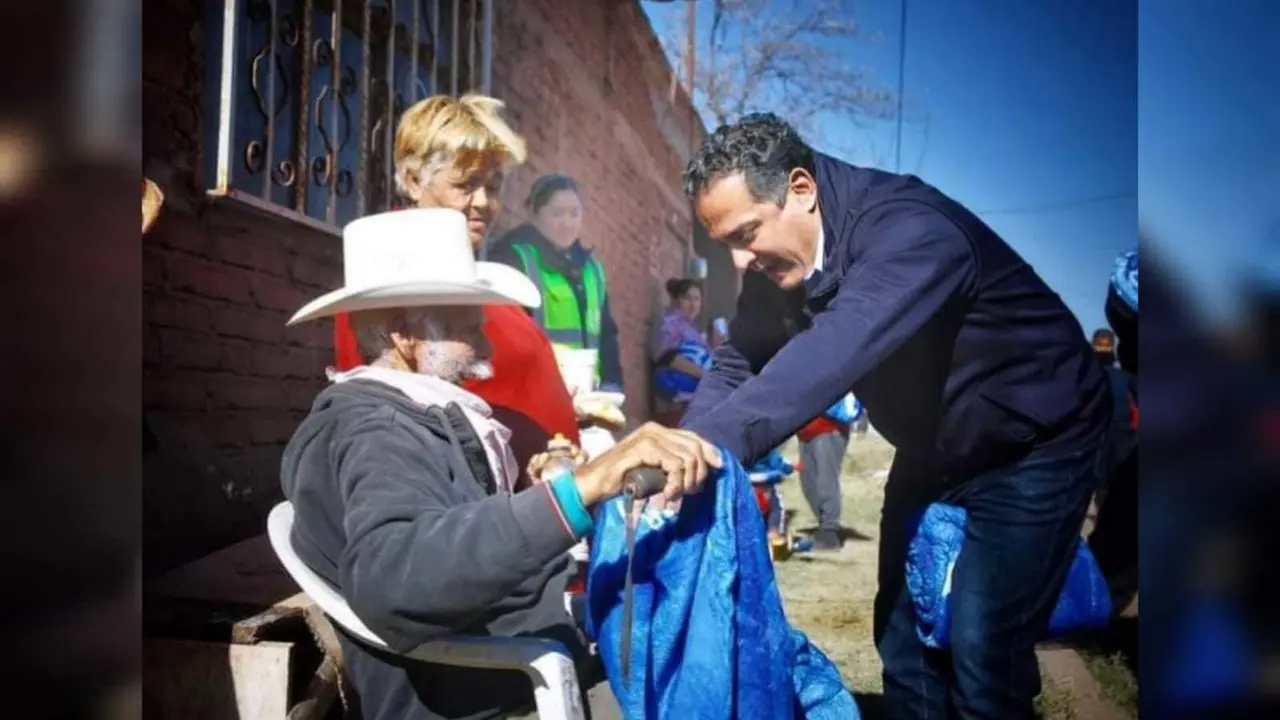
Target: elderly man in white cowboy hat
[(403, 483)]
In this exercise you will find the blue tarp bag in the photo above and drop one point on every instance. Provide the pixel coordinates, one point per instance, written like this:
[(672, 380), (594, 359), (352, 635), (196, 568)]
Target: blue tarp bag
[(709, 638), (774, 465), (1085, 601), (846, 411), (672, 383)]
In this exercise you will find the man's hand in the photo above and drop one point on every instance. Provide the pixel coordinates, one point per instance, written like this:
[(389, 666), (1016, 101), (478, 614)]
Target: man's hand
[(683, 456)]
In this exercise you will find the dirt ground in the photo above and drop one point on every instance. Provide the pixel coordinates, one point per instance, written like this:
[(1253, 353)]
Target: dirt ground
[(829, 597)]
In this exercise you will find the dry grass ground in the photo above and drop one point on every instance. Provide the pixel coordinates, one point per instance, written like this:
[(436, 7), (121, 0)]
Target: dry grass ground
[(829, 595)]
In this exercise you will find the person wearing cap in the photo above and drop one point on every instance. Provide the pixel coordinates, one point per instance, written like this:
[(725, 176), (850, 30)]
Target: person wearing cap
[(575, 291), (406, 492), (454, 153)]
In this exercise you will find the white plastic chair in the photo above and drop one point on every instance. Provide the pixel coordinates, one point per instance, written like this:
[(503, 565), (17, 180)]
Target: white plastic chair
[(546, 662)]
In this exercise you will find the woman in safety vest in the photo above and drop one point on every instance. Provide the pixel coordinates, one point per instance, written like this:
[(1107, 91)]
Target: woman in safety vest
[(575, 297)]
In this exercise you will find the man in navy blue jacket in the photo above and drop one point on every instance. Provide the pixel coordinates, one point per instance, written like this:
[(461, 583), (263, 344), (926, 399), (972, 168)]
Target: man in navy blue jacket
[(971, 366)]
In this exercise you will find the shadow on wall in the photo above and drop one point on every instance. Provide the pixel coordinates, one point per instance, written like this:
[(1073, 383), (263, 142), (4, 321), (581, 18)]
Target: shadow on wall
[(720, 288), (196, 499)]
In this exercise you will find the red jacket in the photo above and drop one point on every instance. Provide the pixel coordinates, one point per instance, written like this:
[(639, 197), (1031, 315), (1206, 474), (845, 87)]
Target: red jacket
[(820, 425), (526, 392)]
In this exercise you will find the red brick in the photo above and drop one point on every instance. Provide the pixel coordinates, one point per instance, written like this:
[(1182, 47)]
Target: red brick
[(236, 356), (152, 268), (178, 391), (239, 321), (311, 335), (271, 428), (316, 274), (172, 311), (308, 363), (180, 350), (233, 392), (209, 279), (150, 347), (227, 429), (185, 120), (271, 362), (261, 253), (319, 246), (274, 293), (180, 231), (301, 395)]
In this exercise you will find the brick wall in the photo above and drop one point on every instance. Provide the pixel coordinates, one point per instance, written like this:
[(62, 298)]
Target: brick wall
[(225, 383), (588, 85)]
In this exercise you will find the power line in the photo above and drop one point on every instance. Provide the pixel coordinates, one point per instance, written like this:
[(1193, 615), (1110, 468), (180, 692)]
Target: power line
[(902, 66), (1061, 205)]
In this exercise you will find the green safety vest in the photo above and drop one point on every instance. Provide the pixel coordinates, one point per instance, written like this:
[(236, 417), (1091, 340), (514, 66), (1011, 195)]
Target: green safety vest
[(560, 316)]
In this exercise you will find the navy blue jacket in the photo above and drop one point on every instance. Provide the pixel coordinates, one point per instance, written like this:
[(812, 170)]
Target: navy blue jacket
[(962, 356)]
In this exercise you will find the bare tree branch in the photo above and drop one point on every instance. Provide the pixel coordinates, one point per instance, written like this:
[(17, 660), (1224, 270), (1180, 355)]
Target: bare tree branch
[(785, 57)]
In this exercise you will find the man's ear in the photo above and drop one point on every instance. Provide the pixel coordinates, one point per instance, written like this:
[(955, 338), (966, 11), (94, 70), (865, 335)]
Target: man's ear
[(803, 188), (404, 350)]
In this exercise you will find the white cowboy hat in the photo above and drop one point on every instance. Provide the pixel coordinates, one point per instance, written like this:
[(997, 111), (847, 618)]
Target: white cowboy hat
[(415, 258)]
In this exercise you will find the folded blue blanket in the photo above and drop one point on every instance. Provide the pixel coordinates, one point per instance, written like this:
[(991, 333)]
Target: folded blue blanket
[(773, 463), (709, 638), (846, 411), (670, 383), (1085, 601)]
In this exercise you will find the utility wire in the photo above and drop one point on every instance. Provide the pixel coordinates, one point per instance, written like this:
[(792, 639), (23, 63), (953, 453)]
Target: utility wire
[(902, 67), (1061, 205)]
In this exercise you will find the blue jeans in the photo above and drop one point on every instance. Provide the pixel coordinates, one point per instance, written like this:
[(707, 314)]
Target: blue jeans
[(1024, 522)]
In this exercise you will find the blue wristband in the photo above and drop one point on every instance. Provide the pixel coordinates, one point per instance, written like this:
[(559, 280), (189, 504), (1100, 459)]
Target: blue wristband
[(565, 492)]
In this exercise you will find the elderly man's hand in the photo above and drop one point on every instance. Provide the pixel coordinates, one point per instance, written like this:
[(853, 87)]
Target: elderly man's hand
[(685, 457)]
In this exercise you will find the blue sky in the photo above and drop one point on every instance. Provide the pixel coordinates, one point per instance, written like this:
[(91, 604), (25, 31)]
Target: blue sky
[(1034, 115), (1209, 147)]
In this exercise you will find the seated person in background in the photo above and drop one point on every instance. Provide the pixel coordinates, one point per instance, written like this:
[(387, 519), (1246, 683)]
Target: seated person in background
[(679, 351), (674, 381), (405, 488), (453, 153)]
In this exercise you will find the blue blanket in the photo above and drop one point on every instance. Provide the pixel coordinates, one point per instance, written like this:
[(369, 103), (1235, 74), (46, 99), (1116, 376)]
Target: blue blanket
[(1085, 601), (846, 411), (774, 464), (709, 639), (671, 383)]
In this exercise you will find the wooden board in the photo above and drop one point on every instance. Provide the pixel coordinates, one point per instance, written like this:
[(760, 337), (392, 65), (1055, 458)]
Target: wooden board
[(196, 680), (246, 573)]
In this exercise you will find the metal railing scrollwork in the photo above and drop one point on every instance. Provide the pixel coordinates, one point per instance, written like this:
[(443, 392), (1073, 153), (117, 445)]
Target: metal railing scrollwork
[(302, 97)]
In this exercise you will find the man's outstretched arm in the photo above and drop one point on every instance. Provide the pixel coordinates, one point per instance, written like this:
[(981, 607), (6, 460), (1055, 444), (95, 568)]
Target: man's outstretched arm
[(766, 318), (916, 260)]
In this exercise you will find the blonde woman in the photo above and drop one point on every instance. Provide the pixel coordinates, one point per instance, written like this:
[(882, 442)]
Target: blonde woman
[(454, 153)]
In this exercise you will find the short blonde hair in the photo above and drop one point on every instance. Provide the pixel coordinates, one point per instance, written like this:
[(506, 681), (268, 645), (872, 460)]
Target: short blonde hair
[(464, 133)]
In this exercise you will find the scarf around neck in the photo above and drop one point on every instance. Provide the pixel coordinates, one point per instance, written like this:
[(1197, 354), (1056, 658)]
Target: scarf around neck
[(430, 391)]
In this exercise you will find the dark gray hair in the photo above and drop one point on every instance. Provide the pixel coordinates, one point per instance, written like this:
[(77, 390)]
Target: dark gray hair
[(761, 146), (545, 187)]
